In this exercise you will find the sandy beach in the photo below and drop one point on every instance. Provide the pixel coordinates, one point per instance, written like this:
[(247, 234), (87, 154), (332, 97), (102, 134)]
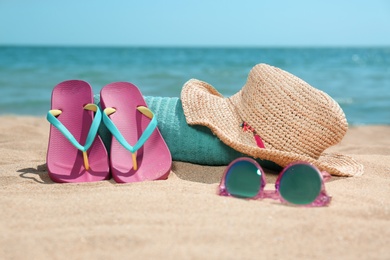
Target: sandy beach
[(182, 217)]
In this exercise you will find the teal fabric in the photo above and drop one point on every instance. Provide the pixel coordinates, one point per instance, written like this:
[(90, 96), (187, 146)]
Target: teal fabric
[(91, 134), (118, 135), (194, 144)]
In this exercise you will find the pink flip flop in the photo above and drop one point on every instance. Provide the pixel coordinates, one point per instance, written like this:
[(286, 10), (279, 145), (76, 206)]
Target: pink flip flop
[(138, 151), (75, 151)]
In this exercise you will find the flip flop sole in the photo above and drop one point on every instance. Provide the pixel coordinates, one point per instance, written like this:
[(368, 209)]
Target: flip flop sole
[(153, 158), (65, 162)]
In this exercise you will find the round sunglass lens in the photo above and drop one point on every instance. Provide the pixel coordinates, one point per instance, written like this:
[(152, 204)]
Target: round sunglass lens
[(300, 184), (243, 179)]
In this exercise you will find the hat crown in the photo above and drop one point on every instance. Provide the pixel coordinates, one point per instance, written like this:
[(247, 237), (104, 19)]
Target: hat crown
[(288, 113)]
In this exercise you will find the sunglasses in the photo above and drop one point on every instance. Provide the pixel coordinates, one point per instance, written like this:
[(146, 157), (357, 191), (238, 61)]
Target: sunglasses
[(299, 183)]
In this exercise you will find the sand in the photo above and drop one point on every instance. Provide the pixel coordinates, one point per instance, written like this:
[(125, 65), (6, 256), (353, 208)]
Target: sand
[(182, 217)]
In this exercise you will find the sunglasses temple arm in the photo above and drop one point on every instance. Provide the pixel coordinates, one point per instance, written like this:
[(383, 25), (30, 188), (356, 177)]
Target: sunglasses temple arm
[(326, 176)]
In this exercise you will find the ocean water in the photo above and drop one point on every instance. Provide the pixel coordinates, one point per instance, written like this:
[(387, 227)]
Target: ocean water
[(357, 78)]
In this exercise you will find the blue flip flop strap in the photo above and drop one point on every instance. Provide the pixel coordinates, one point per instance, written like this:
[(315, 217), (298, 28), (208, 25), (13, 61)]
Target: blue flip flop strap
[(91, 134), (117, 134)]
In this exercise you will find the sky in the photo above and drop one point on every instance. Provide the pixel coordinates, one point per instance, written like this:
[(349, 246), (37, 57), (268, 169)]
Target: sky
[(195, 23)]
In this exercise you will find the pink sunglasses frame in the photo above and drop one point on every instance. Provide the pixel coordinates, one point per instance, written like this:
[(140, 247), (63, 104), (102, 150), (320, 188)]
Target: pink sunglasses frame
[(323, 199)]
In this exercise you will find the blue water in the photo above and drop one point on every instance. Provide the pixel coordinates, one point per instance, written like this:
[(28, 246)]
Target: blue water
[(358, 78)]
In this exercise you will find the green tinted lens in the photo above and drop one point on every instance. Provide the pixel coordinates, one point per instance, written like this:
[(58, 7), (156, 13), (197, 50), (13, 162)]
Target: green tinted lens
[(300, 184), (243, 179)]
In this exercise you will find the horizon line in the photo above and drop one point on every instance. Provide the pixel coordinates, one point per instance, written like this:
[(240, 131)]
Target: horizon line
[(188, 46)]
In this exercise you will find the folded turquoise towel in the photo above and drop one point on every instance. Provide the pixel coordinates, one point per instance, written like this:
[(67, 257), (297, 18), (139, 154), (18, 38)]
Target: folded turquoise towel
[(194, 144), (187, 143)]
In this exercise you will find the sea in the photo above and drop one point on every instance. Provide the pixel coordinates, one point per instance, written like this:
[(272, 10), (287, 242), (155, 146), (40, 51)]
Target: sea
[(357, 78)]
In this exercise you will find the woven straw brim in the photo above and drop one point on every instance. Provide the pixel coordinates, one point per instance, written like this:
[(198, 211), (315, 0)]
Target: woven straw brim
[(204, 105)]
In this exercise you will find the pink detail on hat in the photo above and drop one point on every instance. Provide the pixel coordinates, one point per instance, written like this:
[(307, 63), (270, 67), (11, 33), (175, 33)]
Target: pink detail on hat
[(247, 128), (259, 142)]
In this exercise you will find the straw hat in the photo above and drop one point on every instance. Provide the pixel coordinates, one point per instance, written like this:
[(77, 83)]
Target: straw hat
[(293, 120)]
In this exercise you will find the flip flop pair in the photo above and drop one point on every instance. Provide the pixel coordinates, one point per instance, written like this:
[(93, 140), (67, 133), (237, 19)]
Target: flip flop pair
[(76, 152)]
